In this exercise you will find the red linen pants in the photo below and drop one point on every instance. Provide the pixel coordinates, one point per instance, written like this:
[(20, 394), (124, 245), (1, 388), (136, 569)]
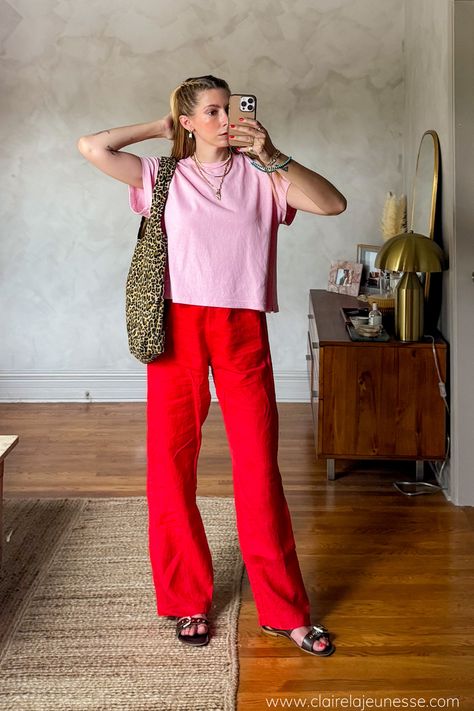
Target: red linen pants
[(234, 342)]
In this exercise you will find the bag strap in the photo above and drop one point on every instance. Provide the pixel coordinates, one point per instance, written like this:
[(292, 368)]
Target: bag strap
[(162, 183)]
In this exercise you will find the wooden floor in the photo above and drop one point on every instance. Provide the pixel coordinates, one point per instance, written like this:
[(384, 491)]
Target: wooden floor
[(391, 576)]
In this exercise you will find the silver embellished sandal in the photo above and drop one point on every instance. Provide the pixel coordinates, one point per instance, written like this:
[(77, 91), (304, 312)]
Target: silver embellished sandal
[(196, 640), (316, 632)]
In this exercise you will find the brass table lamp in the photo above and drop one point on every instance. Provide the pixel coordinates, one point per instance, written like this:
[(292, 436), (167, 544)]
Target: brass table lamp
[(410, 252)]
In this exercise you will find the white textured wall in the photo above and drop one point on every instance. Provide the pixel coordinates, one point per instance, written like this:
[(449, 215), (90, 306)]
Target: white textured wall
[(462, 293), (429, 105), (329, 78), (439, 68)]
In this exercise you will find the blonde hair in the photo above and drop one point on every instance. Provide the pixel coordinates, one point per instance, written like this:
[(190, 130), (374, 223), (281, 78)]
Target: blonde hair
[(184, 100)]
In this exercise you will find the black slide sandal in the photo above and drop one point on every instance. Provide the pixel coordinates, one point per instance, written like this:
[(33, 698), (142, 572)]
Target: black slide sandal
[(316, 632), (195, 640)]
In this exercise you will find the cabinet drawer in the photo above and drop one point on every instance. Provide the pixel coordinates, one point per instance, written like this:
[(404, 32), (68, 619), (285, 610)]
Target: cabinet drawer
[(312, 328), (309, 363), (313, 348), (312, 368), (313, 376)]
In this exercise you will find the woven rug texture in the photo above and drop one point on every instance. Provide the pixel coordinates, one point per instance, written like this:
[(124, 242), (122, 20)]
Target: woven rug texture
[(78, 622)]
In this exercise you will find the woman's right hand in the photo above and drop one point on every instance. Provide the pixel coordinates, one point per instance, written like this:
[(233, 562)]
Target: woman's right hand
[(167, 124)]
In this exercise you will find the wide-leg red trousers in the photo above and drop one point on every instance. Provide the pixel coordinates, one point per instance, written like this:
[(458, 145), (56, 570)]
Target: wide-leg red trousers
[(234, 342)]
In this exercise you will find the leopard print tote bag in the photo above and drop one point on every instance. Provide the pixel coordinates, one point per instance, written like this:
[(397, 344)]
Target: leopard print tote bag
[(144, 302)]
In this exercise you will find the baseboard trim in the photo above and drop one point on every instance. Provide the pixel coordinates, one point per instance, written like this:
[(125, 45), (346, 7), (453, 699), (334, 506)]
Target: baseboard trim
[(93, 386)]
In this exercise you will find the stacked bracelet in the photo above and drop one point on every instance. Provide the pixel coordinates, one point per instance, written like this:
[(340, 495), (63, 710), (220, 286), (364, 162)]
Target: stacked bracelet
[(273, 159), (272, 168)]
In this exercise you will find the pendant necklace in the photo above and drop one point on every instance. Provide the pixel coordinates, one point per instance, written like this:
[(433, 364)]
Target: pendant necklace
[(201, 170)]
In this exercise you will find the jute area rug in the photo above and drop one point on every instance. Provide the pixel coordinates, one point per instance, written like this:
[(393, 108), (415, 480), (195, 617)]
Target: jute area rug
[(78, 622)]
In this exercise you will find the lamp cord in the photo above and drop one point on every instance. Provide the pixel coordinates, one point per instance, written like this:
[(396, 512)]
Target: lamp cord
[(441, 384)]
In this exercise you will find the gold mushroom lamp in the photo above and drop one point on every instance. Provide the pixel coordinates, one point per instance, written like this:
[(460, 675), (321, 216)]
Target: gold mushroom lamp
[(410, 252)]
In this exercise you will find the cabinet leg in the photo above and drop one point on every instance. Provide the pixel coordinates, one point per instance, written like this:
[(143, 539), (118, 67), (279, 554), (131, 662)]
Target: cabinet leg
[(331, 469), (420, 467)]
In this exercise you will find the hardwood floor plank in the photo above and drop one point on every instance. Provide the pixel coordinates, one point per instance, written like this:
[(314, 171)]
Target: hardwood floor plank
[(390, 576)]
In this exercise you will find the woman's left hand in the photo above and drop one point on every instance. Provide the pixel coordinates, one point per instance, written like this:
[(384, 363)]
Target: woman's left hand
[(259, 142)]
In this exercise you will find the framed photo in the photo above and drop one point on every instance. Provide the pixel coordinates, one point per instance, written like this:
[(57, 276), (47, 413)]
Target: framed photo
[(370, 280), (344, 277)]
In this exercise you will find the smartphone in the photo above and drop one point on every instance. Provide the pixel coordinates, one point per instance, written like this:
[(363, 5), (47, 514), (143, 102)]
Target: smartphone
[(240, 105)]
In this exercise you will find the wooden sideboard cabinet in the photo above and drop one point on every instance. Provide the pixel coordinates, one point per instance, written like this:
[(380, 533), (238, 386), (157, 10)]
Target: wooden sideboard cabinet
[(371, 399)]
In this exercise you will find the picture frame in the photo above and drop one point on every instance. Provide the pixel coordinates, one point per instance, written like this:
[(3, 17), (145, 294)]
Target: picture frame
[(344, 277), (371, 275)]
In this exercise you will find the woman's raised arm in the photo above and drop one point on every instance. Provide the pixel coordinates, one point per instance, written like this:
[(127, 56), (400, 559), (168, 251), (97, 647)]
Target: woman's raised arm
[(102, 149)]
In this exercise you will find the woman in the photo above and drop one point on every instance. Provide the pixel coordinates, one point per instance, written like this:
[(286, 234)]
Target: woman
[(222, 215)]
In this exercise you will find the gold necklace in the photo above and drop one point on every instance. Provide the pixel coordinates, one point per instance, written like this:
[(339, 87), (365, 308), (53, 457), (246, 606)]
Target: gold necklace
[(198, 162), (228, 167)]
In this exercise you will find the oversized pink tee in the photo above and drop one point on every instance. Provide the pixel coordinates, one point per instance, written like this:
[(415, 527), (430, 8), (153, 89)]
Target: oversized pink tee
[(220, 252)]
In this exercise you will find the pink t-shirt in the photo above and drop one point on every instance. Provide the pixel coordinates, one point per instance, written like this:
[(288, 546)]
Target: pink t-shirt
[(220, 252)]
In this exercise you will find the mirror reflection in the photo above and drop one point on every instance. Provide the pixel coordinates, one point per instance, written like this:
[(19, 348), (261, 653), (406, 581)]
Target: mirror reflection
[(425, 190)]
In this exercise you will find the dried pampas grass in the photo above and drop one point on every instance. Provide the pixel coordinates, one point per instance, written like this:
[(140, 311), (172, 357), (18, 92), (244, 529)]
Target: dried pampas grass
[(394, 216)]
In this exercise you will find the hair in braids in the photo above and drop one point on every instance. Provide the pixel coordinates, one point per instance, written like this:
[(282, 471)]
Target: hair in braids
[(184, 100)]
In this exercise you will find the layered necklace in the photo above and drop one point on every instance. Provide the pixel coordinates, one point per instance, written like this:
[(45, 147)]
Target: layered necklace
[(203, 172)]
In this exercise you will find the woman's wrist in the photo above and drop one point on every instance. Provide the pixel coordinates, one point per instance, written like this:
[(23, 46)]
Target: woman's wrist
[(274, 158), (160, 129), (283, 160), (270, 163), (268, 159), (164, 127)]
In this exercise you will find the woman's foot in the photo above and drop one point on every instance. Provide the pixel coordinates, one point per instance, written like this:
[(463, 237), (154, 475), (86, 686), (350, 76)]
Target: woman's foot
[(201, 628), (188, 630), (319, 645), (314, 639)]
